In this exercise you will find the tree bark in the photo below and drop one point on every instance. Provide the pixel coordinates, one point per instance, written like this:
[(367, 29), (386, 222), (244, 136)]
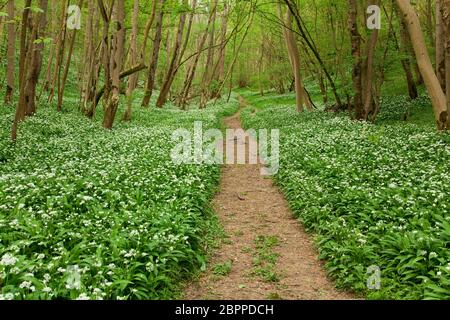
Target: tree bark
[(208, 70), (132, 80), (426, 68), (11, 52), (369, 105), (294, 58), (155, 57), (357, 61), (30, 62), (405, 49), (446, 19), (59, 52), (62, 85), (191, 72), (117, 57), (170, 75), (440, 45)]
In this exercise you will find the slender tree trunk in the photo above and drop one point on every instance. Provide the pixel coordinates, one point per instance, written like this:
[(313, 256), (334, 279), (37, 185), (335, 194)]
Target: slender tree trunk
[(155, 57), (106, 52), (191, 73), (223, 37), (294, 58), (369, 105), (59, 53), (446, 19), (357, 61), (132, 80), (170, 75), (11, 52), (48, 72), (148, 26), (426, 68), (117, 57), (62, 86), (21, 107), (440, 45), (405, 49), (208, 71), (89, 56), (311, 45), (29, 62), (36, 60), (430, 22)]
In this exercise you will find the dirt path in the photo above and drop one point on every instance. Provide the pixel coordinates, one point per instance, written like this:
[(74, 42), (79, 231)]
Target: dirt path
[(267, 254)]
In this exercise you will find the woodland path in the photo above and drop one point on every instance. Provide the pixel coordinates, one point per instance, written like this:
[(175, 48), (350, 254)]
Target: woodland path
[(266, 253)]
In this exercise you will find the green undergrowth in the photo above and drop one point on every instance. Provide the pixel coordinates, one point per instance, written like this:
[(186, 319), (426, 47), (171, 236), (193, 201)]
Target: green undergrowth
[(374, 195), (87, 213)]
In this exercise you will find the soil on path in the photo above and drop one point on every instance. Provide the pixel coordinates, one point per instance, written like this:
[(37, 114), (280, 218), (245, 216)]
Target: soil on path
[(266, 253)]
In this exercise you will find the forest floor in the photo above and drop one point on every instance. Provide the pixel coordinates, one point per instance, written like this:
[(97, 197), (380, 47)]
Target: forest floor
[(266, 253)]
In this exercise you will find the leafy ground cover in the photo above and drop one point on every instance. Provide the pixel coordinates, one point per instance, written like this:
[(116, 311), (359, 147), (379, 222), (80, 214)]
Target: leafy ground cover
[(89, 214), (374, 195)]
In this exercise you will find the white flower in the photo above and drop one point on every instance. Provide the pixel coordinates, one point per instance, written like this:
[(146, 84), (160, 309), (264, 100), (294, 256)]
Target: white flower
[(41, 256), (8, 260), (73, 285), (433, 255), (47, 290), (14, 223), (448, 267), (25, 284), (83, 296), (8, 296), (439, 273), (15, 270)]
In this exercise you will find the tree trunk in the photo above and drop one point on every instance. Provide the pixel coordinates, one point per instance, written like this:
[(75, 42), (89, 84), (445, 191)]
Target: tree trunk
[(154, 58), (369, 104), (36, 58), (314, 50), (423, 59), (170, 75), (132, 80), (294, 58), (208, 72), (62, 85), (59, 53), (440, 45), (191, 72), (11, 52), (30, 62), (117, 57), (405, 48), (20, 110), (89, 57), (357, 61), (446, 20)]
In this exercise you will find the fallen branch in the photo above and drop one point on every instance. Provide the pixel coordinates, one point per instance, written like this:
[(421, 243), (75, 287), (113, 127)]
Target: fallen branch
[(123, 74)]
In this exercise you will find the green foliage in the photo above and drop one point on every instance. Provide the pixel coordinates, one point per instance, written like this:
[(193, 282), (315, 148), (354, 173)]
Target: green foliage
[(222, 269), (373, 195), (108, 207)]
